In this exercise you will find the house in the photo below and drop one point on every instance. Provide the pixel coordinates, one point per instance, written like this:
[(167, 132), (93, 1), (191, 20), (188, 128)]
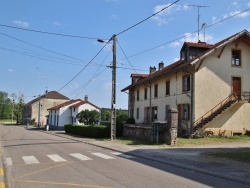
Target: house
[(208, 85), (65, 113), (32, 111)]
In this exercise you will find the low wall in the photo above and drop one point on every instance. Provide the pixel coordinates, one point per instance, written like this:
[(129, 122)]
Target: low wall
[(137, 132)]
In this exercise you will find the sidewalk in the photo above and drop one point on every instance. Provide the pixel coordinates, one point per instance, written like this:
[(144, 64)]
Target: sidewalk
[(192, 158)]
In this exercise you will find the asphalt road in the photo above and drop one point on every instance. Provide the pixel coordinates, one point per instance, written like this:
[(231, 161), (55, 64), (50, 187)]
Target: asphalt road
[(37, 159)]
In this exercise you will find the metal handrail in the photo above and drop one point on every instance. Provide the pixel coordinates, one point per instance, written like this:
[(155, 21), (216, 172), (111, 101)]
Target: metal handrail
[(217, 107)]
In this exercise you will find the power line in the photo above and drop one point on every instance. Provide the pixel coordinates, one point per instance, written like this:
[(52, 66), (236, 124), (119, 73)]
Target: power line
[(125, 55), (49, 33), (85, 66), (148, 18), (183, 36)]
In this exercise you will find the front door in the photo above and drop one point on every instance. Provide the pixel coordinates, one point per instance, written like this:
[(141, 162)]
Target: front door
[(237, 86)]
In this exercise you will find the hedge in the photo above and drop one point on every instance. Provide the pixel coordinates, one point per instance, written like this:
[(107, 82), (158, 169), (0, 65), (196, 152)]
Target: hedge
[(88, 131)]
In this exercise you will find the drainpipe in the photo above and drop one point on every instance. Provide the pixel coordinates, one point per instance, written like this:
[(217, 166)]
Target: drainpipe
[(192, 100)]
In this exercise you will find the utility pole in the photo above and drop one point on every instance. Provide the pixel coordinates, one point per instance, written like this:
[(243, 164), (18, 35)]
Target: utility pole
[(113, 99), (39, 111), (198, 6), (12, 110)]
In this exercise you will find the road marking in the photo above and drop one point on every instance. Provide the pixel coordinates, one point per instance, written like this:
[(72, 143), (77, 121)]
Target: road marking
[(9, 162), (30, 160), (102, 156), (80, 156), (123, 155), (56, 158), (1, 172)]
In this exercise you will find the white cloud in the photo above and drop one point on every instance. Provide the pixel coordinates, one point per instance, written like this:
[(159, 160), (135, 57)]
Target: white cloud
[(176, 59), (248, 4), (242, 15), (161, 17), (56, 23), (194, 37), (175, 44), (113, 16), (111, 1), (235, 3), (11, 70), (215, 19), (21, 23)]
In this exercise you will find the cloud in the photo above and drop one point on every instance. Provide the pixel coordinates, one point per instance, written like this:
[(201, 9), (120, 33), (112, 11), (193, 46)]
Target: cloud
[(56, 23), (11, 70), (111, 1), (248, 4), (215, 19), (114, 17), (163, 16), (242, 15), (21, 23), (175, 44)]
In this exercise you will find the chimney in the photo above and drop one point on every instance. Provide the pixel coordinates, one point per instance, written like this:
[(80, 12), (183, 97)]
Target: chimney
[(86, 98), (152, 70), (161, 65)]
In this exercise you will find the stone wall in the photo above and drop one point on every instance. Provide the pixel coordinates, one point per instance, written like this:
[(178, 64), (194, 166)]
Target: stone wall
[(137, 132)]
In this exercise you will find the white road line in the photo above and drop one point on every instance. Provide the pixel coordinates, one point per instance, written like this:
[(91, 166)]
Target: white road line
[(9, 162), (80, 156), (102, 156), (56, 158), (123, 155), (30, 160)]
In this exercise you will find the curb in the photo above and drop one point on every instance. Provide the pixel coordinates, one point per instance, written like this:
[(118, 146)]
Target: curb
[(190, 168)]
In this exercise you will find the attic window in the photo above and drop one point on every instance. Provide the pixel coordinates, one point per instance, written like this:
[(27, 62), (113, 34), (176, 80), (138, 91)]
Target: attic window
[(236, 60)]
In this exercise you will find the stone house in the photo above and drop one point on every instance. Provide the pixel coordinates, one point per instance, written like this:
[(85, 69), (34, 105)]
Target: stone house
[(208, 85), (31, 109)]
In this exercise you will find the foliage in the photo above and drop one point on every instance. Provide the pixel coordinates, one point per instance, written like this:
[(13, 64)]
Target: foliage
[(88, 131), (88, 117), (105, 114), (130, 121)]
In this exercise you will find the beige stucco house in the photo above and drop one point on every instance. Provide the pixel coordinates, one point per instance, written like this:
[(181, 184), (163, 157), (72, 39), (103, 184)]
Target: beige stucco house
[(209, 85), (49, 99)]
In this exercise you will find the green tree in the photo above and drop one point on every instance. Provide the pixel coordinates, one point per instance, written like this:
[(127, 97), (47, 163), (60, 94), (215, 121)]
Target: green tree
[(88, 117), (18, 107), (105, 115), (5, 106)]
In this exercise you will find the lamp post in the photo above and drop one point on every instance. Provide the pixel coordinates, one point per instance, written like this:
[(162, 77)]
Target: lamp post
[(113, 96)]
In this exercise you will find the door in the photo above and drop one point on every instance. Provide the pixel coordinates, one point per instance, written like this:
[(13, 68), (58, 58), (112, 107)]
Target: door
[(237, 86)]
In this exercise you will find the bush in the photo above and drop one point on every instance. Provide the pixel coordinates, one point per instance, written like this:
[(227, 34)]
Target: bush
[(88, 131), (130, 121)]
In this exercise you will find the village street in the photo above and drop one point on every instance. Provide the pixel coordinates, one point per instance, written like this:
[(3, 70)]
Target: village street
[(35, 158)]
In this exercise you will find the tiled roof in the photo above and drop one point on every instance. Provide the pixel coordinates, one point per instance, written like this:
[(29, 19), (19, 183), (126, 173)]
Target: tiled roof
[(180, 64), (139, 75), (199, 45), (49, 95), (64, 104), (84, 102)]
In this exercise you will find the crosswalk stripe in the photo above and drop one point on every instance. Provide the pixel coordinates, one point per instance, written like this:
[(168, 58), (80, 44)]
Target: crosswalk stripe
[(123, 155), (56, 158), (9, 162), (102, 156), (30, 160), (80, 156)]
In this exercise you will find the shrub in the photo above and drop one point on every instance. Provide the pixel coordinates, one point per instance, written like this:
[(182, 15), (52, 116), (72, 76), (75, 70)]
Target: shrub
[(88, 131), (130, 121)]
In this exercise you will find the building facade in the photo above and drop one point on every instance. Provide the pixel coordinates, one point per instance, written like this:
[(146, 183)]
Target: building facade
[(209, 86)]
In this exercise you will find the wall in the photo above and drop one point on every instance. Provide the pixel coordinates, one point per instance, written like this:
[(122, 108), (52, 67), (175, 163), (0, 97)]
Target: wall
[(214, 79), (235, 118)]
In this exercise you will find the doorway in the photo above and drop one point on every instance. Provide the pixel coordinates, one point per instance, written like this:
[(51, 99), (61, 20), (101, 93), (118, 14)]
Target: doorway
[(236, 84)]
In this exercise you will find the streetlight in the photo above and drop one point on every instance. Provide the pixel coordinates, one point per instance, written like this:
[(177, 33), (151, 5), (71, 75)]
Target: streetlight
[(113, 97)]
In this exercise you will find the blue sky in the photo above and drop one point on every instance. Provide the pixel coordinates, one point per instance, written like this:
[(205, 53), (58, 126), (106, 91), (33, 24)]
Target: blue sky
[(33, 62)]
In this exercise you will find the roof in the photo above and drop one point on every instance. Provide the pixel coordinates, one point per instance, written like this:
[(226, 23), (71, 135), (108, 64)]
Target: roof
[(199, 45), (82, 103), (64, 104), (178, 65), (49, 95), (139, 75)]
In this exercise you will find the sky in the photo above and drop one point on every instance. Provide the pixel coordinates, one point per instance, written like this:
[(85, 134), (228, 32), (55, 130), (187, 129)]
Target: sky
[(52, 45)]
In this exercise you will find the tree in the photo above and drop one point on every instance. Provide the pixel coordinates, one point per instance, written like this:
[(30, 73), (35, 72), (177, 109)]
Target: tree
[(105, 114), (5, 105), (18, 106), (88, 117)]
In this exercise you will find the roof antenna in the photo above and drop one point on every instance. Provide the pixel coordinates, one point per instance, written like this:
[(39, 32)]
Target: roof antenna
[(198, 6), (203, 26)]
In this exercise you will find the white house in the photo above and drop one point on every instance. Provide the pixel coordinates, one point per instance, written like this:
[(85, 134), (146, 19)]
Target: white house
[(65, 113), (209, 86)]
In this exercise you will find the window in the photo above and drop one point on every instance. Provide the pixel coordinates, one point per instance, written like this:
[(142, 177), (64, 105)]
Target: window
[(236, 61), (166, 111), (74, 109), (154, 112), (137, 96), (183, 111), (145, 93), (137, 113), (168, 88), (186, 83), (156, 91)]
